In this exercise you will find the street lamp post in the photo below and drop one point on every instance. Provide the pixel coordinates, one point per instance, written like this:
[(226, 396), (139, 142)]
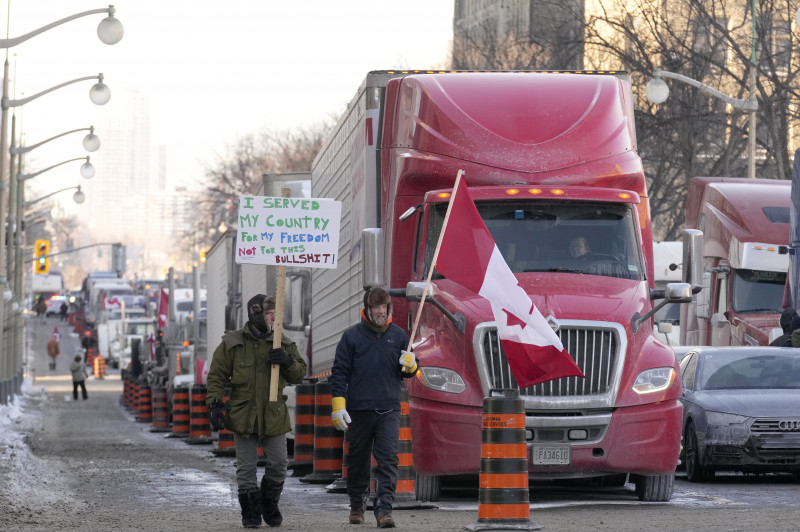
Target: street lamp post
[(109, 31), (79, 197), (657, 91)]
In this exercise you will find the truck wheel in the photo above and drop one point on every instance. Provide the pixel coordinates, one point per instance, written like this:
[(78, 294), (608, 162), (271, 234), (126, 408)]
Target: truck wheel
[(654, 488), (427, 487), (695, 470)]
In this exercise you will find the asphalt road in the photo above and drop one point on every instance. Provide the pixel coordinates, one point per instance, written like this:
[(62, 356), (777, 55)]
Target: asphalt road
[(92, 466)]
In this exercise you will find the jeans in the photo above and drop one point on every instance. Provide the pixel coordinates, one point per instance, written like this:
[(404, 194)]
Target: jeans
[(75, 385), (373, 433), (247, 459)]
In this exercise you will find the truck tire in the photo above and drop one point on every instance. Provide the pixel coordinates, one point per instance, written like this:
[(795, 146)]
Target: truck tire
[(654, 488), (427, 487)]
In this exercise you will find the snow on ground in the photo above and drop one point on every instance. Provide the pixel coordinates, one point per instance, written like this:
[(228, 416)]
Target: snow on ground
[(23, 474)]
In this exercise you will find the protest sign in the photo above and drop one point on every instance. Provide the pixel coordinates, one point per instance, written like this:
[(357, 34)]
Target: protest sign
[(300, 232)]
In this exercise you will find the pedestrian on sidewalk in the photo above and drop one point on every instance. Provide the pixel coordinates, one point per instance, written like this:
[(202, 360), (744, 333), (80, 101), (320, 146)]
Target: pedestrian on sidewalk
[(79, 376), (244, 361), (63, 309), (41, 309), (53, 350), (368, 370)]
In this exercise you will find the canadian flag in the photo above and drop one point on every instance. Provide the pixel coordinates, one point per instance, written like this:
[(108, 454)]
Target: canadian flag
[(163, 308), (469, 256)]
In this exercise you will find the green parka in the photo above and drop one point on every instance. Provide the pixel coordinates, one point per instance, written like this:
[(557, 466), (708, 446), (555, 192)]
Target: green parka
[(241, 361)]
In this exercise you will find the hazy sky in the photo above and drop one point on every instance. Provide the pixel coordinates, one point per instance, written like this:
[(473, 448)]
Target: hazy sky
[(213, 70)]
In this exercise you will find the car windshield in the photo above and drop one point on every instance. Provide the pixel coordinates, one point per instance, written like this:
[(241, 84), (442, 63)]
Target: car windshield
[(758, 290), (580, 237), (729, 371)]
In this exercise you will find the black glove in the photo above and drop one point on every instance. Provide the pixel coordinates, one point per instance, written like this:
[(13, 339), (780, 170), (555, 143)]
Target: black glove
[(279, 356), (217, 416)]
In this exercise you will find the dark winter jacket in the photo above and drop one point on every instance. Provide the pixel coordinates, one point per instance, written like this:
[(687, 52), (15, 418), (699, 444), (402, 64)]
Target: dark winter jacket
[(241, 361), (366, 369)]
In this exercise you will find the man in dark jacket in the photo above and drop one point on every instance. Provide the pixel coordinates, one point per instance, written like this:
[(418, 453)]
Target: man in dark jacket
[(789, 322), (243, 361), (368, 369)]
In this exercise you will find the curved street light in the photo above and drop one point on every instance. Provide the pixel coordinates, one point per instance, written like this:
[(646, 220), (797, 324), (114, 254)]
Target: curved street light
[(99, 94), (91, 142), (657, 92), (79, 197), (110, 30), (87, 169)]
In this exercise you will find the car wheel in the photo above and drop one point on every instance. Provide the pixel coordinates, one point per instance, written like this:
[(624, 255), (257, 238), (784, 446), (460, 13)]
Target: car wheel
[(654, 488), (427, 487), (695, 470)]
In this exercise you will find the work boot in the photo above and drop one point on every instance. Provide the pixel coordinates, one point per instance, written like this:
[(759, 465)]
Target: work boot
[(250, 501), (270, 496), (385, 521), (356, 516)]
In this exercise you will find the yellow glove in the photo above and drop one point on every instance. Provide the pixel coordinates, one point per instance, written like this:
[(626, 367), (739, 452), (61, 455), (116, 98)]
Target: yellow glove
[(408, 361), (339, 417)]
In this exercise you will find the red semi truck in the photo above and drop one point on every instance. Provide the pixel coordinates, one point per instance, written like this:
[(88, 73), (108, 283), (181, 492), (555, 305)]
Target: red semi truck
[(549, 158), (739, 242)]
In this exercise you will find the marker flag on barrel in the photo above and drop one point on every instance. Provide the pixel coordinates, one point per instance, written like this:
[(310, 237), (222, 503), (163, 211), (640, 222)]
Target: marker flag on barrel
[(534, 352)]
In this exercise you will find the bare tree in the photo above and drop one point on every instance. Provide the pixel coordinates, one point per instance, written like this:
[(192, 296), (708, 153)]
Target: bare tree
[(240, 170), (691, 134)]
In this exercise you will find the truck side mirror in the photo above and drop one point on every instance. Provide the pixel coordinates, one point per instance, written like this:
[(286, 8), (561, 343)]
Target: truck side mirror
[(372, 257), (692, 271)]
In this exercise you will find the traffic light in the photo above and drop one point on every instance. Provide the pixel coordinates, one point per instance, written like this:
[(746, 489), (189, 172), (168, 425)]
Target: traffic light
[(202, 256), (42, 250)]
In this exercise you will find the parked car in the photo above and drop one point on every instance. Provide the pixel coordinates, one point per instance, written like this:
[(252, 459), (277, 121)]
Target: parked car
[(741, 410)]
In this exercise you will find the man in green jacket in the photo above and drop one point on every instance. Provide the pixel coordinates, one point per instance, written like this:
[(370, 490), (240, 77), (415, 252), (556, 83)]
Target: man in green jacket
[(243, 361)]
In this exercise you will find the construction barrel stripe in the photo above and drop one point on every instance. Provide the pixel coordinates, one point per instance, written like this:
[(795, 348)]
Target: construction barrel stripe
[(503, 493), (328, 441), (180, 411)]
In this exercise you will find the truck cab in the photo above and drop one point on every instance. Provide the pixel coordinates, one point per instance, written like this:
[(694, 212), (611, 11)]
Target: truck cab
[(740, 236)]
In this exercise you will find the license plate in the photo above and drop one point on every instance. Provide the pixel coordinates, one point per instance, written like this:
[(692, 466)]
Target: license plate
[(550, 454)]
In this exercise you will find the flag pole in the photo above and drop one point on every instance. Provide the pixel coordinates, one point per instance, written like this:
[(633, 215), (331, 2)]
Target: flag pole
[(433, 261), (277, 331)]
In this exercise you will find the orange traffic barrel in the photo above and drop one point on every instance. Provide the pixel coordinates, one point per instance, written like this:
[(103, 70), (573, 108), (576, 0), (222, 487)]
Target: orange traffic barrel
[(225, 443), (503, 498), (99, 367), (145, 413), (340, 484), (328, 440), (126, 390), (160, 410), (199, 423), (180, 412), (303, 457), (90, 356), (133, 404)]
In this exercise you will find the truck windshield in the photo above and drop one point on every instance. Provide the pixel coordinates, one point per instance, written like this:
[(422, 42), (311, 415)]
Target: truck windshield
[(579, 237), (758, 290)]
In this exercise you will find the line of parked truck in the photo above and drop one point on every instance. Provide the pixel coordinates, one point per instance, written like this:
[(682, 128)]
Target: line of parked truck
[(548, 157)]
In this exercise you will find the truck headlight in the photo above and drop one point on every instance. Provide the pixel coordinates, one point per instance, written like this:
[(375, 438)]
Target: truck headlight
[(441, 379), (654, 380)]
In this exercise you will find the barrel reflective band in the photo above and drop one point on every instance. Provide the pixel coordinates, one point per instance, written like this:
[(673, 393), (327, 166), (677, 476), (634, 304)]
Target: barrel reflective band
[(503, 492)]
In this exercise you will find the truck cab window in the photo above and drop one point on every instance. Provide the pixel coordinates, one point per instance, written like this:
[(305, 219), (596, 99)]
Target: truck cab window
[(549, 236), (757, 290)]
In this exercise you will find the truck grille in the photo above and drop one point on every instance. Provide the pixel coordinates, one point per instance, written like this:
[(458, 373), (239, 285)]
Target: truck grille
[(595, 351)]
